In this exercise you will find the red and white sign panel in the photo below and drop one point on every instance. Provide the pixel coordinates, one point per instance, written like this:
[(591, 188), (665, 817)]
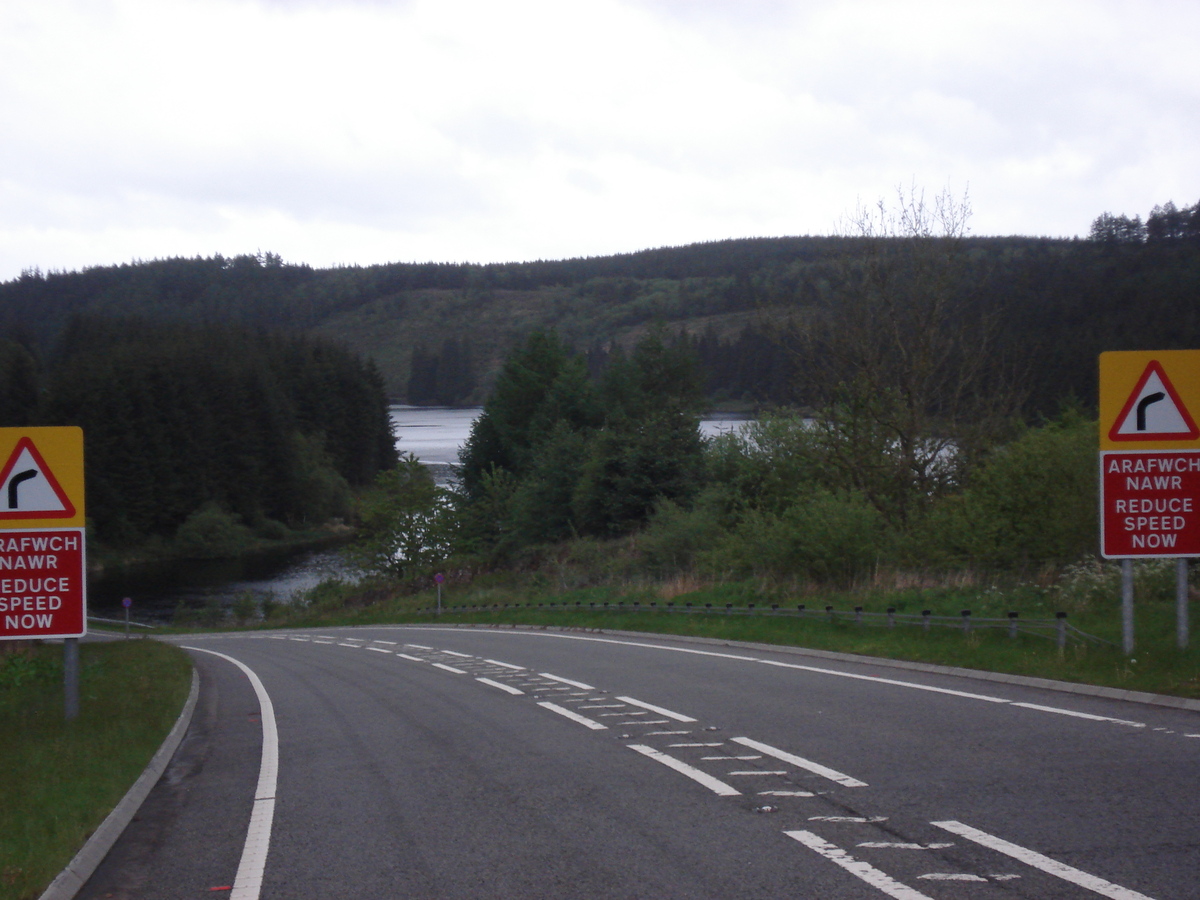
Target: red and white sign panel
[(42, 583), (1150, 503)]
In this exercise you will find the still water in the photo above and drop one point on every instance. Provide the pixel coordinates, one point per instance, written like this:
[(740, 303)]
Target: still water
[(433, 435)]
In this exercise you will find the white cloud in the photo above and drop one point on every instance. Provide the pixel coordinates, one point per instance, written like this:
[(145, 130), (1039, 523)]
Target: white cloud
[(334, 131)]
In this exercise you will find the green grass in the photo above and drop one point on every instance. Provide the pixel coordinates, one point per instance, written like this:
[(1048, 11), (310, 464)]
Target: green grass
[(61, 779)]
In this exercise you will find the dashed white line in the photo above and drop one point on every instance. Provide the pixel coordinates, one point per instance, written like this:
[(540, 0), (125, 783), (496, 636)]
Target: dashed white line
[(578, 684), (1038, 861), (713, 784), (757, 772), (446, 668), (857, 820), (678, 717), (800, 762), (344, 644), (418, 646), (721, 743), (899, 845), (454, 653), (407, 656), (668, 733), (786, 794), (728, 758), (645, 722), (950, 876), (603, 706), (573, 716), (504, 665), (377, 641), (507, 688), (380, 649), (863, 870)]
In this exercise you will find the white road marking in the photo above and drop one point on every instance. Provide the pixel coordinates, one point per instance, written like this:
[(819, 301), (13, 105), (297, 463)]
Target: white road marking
[(623, 713), (418, 646), (446, 668), (719, 744), (757, 772), (912, 685), (896, 845), (344, 644), (406, 656), (1080, 715), (573, 716), (678, 717), (950, 876), (1192, 735), (377, 641), (863, 870), (323, 642), (858, 820), (603, 706), (713, 784), (728, 758), (646, 722), (507, 688), (328, 637), (453, 653), (247, 884), (578, 684), (653, 733), (1038, 861), (503, 665), (380, 649), (786, 794), (297, 639), (800, 762)]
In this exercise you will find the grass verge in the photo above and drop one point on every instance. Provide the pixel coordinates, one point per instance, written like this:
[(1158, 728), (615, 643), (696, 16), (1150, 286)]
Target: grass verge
[(61, 779)]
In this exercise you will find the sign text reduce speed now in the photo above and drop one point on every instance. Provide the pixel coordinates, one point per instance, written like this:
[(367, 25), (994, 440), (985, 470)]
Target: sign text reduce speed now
[(42, 583), (1150, 503)]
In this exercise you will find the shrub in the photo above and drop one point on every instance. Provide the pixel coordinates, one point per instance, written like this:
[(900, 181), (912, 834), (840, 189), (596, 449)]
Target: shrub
[(211, 533)]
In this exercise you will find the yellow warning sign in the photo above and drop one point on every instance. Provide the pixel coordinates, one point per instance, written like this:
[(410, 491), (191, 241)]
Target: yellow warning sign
[(1150, 400), (41, 477)]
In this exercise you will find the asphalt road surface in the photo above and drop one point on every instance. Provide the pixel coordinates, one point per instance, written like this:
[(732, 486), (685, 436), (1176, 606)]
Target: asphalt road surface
[(428, 762)]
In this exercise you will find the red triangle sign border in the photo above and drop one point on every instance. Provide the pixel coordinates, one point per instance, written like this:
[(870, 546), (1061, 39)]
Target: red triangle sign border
[(1154, 367), (68, 510)]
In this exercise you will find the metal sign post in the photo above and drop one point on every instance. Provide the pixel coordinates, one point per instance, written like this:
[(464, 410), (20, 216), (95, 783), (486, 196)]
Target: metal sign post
[(1150, 468)]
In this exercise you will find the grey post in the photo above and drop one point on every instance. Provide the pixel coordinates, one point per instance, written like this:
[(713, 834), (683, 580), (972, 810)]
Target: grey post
[(71, 678), (1181, 603), (1127, 606)]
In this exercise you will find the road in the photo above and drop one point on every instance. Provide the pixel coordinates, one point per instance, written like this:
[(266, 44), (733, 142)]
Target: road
[(436, 762)]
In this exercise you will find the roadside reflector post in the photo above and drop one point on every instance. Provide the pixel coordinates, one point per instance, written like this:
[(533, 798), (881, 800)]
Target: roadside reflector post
[(858, 615), (71, 678), (1181, 603), (1127, 606), (925, 614), (1062, 629), (891, 613), (1012, 624), (966, 617)]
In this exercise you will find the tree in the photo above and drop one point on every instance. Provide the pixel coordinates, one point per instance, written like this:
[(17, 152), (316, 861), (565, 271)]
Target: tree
[(406, 522), (902, 361)]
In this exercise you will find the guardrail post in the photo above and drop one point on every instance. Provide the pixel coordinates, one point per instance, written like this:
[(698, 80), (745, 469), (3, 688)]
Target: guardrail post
[(829, 610), (858, 615), (891, 616), (966, 617), (1012, 624), (925, 614), (1061, 638)]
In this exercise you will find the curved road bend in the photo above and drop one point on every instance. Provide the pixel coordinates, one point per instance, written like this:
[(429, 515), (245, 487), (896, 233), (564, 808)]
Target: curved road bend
[(427, 762)]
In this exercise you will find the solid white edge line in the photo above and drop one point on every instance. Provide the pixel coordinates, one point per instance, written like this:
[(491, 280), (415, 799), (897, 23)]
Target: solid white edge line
[(247, 884), (1080, 715), (678, 717), (508, 689), (1038, 861), (578, 684), (713, 784), (446, 668), (800, 762), (863, 870), (573, 716)]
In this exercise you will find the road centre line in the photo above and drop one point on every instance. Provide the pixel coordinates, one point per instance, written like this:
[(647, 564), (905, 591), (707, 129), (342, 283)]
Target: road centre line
[(418, 646), (729, 758), (573, 716), (646, 722), (454, 653), (753, 772), (380, 650), (508, 689), (951, 876), (718, 744), (247, 884), (446, 668), (857, 867), (1038, 861), (578, 684), (800, 762), (815, 669), (856, 820), (901, 845), (344, 644), (678, 717), (316, 641), (378, 641), (504, 665), (713, 784), (786, 794), (406, 656)]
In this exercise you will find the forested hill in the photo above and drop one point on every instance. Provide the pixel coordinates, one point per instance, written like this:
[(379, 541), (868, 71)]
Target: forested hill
[(438, 332)]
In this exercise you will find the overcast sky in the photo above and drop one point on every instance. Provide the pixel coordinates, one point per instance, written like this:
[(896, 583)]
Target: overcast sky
[(368, 131)]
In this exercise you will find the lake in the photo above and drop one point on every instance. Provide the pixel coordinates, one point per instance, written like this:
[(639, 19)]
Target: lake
[(432, 434)]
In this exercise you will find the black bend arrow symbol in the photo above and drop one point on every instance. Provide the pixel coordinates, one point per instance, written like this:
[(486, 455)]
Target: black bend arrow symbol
[(15, 482), (1141, 408)]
